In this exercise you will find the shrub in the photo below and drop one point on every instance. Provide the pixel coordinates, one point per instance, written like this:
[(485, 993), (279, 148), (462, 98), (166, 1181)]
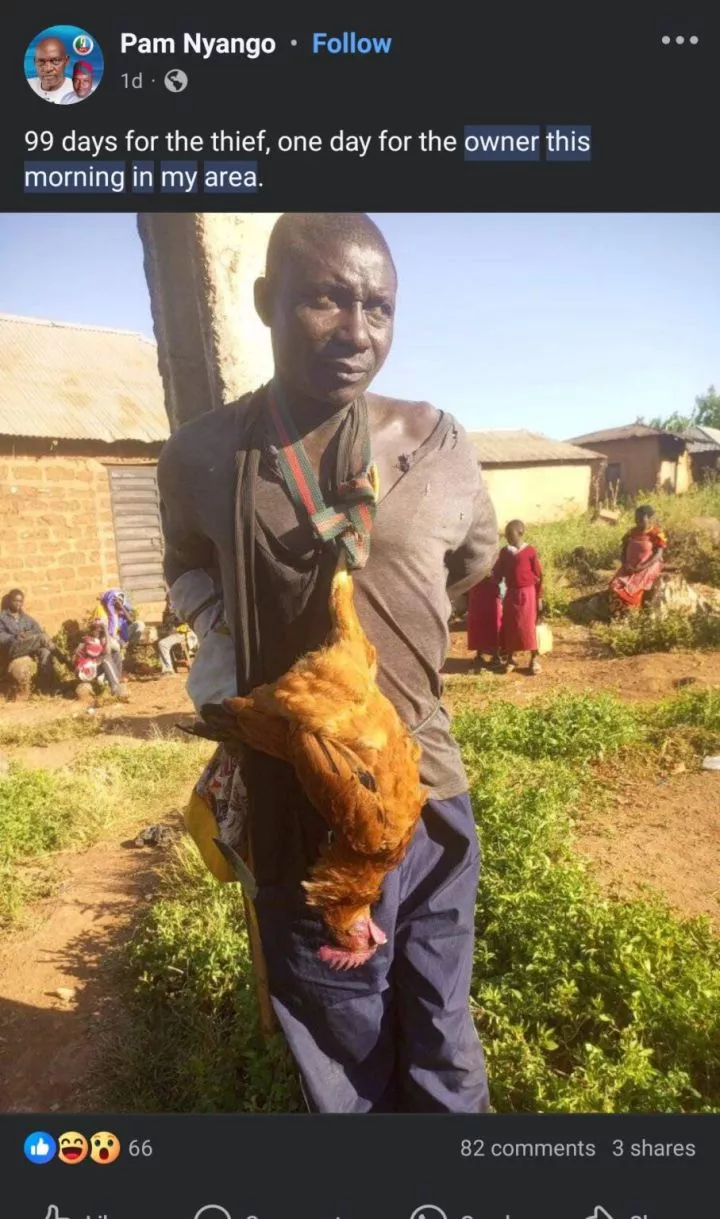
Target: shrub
[(579, 727), (584, 1003), (648, 633), (42, 811), (192, 1044)]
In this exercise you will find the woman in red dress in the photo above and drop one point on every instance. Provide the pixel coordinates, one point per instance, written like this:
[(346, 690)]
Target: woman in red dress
[(641, 560), (519, 566), (484, 620)]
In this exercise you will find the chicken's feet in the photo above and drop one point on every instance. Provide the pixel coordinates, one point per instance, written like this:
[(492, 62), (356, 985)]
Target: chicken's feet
[(364, 939)]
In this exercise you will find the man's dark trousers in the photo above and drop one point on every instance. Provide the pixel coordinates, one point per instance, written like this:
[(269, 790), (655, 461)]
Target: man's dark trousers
[(395, 1034)]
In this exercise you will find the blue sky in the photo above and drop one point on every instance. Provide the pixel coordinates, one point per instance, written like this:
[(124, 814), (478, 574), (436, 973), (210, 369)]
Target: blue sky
[(557, 323)]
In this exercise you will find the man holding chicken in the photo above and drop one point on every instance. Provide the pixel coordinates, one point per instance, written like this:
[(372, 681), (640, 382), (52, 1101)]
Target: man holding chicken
[(258, 498)]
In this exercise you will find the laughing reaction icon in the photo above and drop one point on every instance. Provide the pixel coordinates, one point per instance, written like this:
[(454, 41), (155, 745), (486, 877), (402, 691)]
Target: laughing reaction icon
[(72, 1147), (104, 1147)]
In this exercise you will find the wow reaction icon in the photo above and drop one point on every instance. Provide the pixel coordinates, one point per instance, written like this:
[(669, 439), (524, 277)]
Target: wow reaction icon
[(104, 1147)]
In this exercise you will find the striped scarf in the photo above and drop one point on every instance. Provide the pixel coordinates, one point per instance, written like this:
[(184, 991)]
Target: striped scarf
[(349, 519)]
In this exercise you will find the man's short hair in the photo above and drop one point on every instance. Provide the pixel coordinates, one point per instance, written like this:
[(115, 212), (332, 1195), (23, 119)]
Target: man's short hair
[(295, 231)]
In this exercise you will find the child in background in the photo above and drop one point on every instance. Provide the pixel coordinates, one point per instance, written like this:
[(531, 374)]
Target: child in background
[(484, 621), (518, 565), (642, 561), (92, 659)]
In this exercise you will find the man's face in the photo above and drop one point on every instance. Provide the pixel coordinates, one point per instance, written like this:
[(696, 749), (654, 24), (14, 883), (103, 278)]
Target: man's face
[(82, 83), (16, 603), (51, 60), (331, 318)]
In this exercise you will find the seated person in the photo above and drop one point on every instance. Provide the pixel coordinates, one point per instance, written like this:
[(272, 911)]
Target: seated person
[(92, 659), (174, 633), (21, 635), (642, 561), (115, 612)]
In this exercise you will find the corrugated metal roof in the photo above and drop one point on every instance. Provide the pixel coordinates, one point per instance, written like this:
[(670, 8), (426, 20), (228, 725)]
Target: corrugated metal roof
[(702, 439), (512, 448), (69, 382), (633, 431)]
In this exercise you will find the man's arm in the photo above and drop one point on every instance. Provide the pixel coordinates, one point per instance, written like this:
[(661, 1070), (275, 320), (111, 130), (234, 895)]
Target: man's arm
[(185, 548), (190, 564), (476, 557)]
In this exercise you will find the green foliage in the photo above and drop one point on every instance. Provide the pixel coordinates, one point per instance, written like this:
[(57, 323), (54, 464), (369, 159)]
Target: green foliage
[(70, 633), (646, 633), (582, 1003), (48, 732), (192, 1044), (42, 811), (576, 727), (691, 721), (705, 413), (694, 708), (691, 550)]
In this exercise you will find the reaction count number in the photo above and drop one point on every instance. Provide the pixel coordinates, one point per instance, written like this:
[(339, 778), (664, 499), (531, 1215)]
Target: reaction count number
[(137, 1148)]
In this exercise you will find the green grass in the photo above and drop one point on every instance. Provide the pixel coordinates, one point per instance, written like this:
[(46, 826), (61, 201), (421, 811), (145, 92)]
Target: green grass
[(688, 726), (568, 726), (191, 1043), (643, 632), (65, 728), (583, 1003), (43, 811), (692, 708)]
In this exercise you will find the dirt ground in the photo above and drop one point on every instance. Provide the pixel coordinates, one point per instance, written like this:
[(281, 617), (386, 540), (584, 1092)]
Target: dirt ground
[(56, 992), (572, 666), (155, 703), (662, 832), (50, 1041), (663, 836)]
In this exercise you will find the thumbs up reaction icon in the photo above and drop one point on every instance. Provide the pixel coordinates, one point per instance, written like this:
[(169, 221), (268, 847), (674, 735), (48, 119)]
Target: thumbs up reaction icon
[(39, 1147), (53, 1213)]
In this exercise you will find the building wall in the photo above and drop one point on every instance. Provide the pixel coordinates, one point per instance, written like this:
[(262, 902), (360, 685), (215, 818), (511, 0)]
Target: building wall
[(639, 462), (57, 540), (684, 476), (643, 467), (538, 493)]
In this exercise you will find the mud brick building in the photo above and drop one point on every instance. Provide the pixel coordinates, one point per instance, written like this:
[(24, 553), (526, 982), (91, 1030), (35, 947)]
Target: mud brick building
[(535, 478), (82, 422), (641, 459)]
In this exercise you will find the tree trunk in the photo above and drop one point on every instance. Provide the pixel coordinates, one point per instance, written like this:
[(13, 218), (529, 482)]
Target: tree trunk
[(200, 269), (212, 349)]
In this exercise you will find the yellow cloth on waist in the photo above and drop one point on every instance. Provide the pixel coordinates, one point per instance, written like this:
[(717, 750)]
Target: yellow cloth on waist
[(202, 827)]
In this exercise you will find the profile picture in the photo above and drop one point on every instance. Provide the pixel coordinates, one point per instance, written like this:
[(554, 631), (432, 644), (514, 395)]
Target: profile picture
[(64, 64)]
